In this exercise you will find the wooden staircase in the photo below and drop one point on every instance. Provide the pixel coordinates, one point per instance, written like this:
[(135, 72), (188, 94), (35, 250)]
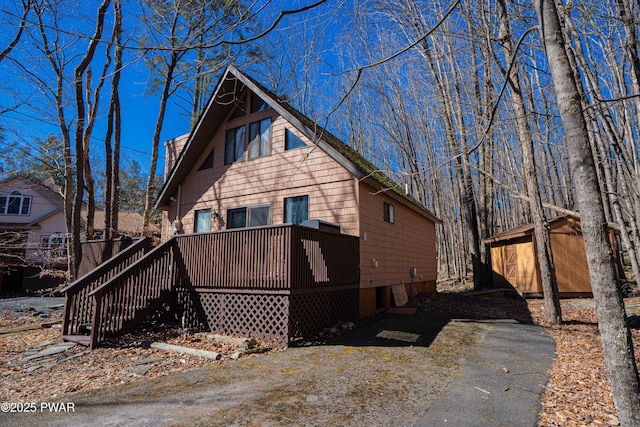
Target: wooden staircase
[(119, 294)]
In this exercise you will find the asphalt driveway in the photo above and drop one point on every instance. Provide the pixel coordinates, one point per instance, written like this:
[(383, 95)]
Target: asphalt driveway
[(424, 369)]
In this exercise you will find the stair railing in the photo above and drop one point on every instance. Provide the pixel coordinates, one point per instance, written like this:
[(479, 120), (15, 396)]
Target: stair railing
[(78, 306), (125, 299)]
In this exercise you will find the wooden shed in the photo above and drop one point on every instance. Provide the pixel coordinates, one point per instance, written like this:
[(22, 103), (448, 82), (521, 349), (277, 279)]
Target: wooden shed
[(515, 263)]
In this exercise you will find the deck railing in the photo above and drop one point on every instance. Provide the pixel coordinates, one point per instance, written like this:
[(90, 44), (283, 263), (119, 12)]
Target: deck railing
[(125, 299), (78, 305), (274, 258)]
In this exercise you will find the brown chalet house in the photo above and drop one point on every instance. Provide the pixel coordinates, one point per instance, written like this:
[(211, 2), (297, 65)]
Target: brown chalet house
[(254, 161)]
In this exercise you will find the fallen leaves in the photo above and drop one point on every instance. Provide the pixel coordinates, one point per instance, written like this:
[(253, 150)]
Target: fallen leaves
[(121, 360), (578, 393)]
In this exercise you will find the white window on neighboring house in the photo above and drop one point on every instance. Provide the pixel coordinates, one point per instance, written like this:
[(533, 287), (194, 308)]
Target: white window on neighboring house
[(15, 204), (44, 241)]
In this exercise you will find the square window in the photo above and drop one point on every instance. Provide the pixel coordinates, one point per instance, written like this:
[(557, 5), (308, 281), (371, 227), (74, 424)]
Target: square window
[(3, 204), (202, 221), (296, 209), (13, 207), (237, 218), (259, 139), (291, 141), (234, 145), (389, 213), (259, 215)]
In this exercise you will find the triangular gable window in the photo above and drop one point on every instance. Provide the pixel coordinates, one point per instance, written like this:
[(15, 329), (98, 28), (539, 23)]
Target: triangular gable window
[(241, 108), (292, 141), (257, 103), (208, 162)]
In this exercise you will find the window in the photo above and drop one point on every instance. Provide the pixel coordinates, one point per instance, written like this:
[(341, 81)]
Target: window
[(241, 108), (257, 103), (202, 223), (44, 241), (296, 209), (291, 141), (208, 162), (15, 204), (259, 139), (234, 145), (389, 213), (250, 216)]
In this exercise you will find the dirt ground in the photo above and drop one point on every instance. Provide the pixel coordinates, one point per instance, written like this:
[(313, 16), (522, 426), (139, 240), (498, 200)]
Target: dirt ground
[(577, 393)]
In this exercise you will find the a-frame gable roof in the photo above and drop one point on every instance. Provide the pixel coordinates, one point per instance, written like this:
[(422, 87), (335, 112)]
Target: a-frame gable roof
[(227, 92)]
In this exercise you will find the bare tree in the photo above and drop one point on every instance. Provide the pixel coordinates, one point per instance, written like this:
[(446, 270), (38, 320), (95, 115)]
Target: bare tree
[(616, 339)]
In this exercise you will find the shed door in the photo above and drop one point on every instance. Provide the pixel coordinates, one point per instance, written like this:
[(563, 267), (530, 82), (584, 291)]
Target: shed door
[(511, 264)]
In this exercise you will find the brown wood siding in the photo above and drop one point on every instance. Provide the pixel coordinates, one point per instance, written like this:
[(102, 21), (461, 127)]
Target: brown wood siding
[(409, 242), (270, 179), (570, 261)]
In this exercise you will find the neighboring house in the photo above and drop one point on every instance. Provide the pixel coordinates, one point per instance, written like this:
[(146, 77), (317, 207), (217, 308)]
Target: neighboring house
[(514, 259), (31, 232), (253, 160)]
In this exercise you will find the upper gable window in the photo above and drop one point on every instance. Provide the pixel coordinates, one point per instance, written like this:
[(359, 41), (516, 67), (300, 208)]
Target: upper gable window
[(257, 103), (208, 162), (259, 139), (291, 141), (234, 145), (15, 204), (241, 108)]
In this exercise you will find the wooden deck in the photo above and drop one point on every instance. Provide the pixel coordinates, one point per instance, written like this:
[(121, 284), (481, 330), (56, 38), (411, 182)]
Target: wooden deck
[(276, 283)]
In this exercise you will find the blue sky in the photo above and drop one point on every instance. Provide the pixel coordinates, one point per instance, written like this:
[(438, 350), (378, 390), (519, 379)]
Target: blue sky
[(139, 108)]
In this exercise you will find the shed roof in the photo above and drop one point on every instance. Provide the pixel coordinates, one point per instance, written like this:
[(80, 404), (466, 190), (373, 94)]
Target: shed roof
[(527, 229), (227, 92)]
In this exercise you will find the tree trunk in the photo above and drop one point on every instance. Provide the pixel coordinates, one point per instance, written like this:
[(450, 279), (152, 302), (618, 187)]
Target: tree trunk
[(616, 339), (541, 226), (75, 254)]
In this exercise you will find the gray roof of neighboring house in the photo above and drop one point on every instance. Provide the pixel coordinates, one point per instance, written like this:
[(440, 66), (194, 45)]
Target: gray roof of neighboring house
[(232, 83)]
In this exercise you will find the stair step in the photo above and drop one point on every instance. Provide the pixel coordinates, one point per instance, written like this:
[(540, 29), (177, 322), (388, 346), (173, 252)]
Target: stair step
[(78, 339)]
